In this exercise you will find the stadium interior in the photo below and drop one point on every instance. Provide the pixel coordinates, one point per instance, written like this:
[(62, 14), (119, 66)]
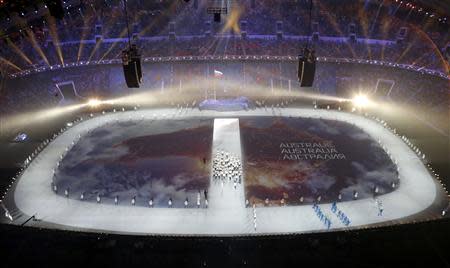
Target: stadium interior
[(231, 133)]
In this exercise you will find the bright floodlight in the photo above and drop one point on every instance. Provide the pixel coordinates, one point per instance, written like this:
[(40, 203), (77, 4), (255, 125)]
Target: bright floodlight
[(360, 101), (94, 102)]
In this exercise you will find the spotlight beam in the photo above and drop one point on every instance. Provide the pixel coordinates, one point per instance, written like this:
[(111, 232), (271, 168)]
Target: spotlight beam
[(23, 120), (156, 21), (365, 27), (18, 51), (232, 20), (437, 51), (335, 25), (384, 31), (9, 63), (54, 34), (32, 39), (195, 90), (86, 28), (97, 45), (122, 34)]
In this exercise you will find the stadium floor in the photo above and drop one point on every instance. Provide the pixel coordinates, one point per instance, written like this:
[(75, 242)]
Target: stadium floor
[(226, 214)]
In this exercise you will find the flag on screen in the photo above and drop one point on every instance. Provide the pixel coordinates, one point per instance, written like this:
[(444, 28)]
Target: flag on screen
[(218, 74)]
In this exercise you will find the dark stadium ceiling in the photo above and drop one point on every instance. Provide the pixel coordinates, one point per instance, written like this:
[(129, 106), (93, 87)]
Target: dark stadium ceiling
[(33, 9), (440, 6)]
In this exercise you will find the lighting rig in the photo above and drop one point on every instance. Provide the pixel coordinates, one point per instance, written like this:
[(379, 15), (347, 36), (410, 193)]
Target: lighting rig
[(217, 8)]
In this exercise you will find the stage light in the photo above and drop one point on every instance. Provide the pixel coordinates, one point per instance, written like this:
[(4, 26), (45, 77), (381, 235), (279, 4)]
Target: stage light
[(94, 102), (360, 101)]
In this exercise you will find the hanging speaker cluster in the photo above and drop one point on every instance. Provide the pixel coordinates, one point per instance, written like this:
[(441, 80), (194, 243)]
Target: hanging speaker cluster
[(132, 69), (306, 68)]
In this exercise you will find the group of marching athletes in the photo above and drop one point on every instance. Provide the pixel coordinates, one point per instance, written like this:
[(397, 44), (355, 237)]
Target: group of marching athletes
[(227, 168)]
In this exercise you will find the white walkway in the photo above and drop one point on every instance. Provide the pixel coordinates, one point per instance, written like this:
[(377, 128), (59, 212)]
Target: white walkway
[(226, 214)]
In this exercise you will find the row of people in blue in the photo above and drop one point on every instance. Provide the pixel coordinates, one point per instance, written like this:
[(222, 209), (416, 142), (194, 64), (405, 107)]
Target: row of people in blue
[(322, 217), (340, 214)]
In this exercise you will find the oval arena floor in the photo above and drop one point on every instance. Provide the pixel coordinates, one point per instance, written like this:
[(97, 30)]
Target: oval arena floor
[(227, 213)]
